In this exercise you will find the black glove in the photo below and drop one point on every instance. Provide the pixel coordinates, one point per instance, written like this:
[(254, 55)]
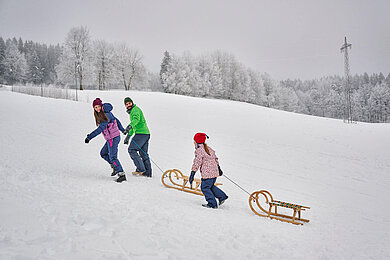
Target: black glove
[(191, 179), (127, 130), (220, 171), (127, 139), (87, 139)]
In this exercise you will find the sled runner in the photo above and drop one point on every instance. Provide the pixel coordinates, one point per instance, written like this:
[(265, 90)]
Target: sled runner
[(271, 203), (181, 182)]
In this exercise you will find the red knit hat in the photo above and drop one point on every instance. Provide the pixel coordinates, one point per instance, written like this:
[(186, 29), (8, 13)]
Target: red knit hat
[(200, 138), (97, 101)]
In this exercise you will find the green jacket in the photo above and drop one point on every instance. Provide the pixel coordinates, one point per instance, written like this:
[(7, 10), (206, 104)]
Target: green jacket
[(138, 122)]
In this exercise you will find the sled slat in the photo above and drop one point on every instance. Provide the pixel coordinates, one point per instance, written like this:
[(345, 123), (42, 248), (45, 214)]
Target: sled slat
[(182, 182), (254, 197)]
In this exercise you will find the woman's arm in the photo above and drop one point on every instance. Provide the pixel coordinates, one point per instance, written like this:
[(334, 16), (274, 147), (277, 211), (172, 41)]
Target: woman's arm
[(119, 124), (98, 130)]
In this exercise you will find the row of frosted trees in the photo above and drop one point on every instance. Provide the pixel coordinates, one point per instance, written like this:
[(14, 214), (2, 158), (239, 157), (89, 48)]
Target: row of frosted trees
[(22, 62), (221, 75), (97, 62), (85, 63), (325, 97), (80, 62)]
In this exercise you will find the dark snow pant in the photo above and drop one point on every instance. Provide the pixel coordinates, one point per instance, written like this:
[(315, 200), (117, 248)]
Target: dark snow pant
[(138, 150), (211, 192), (109, 152)]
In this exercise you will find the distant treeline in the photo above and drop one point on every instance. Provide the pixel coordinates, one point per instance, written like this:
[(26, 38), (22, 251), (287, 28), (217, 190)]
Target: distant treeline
[(221, 75), (81, 62), (22, 62)]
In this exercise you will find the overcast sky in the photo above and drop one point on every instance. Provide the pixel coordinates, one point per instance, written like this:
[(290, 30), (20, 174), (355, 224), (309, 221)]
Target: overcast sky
[(287, 39)]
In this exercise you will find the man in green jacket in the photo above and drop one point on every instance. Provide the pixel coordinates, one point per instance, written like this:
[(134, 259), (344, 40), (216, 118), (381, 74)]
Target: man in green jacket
[(138, 148)]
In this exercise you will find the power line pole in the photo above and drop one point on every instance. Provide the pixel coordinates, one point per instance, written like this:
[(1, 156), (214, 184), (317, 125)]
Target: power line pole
[(347, 105)]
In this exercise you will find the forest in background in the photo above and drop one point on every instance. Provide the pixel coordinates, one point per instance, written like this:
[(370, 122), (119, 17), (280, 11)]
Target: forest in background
[(83, 63)]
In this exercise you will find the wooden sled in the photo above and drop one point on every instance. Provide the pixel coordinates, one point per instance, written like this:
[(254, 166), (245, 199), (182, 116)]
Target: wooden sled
[(259, 210), (176, 180)]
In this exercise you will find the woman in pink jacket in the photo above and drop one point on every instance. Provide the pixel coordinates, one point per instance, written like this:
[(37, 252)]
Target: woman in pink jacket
[(110, 126), (207, 161)]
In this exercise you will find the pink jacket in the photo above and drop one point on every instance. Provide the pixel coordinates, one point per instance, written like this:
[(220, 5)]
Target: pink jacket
[(111, 131), (208, 163)]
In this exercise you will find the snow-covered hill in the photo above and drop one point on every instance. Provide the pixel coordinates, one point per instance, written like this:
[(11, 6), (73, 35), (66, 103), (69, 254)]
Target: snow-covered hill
[(58, 201)]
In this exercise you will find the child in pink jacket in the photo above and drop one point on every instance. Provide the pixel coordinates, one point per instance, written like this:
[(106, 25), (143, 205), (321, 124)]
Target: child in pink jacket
[(207, 161)]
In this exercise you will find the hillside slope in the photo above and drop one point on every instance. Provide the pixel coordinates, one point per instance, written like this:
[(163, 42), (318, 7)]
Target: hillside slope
[(58, 200)]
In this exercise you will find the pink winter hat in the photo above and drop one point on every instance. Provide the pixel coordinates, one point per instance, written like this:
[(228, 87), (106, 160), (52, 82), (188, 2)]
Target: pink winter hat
[(97, 101)]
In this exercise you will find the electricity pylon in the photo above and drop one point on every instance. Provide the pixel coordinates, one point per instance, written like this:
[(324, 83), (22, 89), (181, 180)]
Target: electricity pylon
[(347, 89)]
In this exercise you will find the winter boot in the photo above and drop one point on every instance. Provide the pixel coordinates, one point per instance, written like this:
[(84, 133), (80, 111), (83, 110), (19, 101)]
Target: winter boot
[(223, 201), (114, 172), (122, 177), (138, 173), (147, 175), (208, 206)]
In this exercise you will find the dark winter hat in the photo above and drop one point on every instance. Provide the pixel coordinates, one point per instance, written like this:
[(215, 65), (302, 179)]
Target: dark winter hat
[(97, 101), (200, 138), (127, 99)]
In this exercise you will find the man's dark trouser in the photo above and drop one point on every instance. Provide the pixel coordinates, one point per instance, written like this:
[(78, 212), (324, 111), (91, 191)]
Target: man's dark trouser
[(138, 150)]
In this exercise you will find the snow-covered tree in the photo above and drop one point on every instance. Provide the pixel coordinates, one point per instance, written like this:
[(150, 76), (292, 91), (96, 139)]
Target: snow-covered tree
[(181, 72), (2, 54), (379, 102), (361, 100), (224, 62), (35, 69), (14, 64), (241, 83), (168, 77), (164, 65), (20, 45), (191, 80), (53, 56), (215, 84), (268, 99), (388, 79), (256, 87), (129, 66), (103, 62), (75, 60)]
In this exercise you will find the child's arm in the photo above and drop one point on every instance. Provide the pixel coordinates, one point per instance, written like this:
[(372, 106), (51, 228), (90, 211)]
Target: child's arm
[(216, 159), (197, 162), (195, 166)]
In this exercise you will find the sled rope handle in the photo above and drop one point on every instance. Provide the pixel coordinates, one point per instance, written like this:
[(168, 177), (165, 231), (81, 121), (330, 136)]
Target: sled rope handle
[(236, 184), (163, 171), (147, 155)]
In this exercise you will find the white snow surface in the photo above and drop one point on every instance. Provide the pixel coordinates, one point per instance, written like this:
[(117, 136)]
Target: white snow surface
[(58, 200)]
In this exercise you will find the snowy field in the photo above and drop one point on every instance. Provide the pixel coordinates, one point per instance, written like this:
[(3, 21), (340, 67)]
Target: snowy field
[(58, 200)]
